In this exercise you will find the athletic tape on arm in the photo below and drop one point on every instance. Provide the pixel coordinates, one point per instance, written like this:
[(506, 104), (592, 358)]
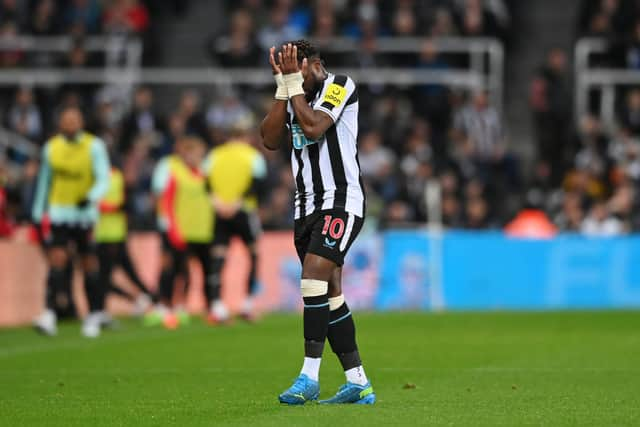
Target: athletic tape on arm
[(313, 288)]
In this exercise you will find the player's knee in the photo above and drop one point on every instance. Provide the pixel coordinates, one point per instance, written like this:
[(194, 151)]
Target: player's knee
[(313, 288), (316, 267)]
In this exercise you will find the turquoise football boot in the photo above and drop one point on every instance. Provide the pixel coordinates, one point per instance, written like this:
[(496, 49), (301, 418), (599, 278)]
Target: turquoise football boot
[(353, 393), (303, 390)]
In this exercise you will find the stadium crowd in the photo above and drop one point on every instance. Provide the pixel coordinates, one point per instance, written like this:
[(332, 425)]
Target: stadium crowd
[(584, 176)]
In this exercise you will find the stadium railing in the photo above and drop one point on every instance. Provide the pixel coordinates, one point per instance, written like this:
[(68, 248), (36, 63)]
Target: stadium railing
[(603, 80), (484, 71), (114, 47)]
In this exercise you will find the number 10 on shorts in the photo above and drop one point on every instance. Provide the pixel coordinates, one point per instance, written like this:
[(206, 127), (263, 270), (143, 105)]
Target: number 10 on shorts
[(333, 226)]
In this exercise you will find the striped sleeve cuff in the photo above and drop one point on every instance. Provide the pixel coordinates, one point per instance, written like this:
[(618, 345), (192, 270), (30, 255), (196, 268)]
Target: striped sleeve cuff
[(326, 110)]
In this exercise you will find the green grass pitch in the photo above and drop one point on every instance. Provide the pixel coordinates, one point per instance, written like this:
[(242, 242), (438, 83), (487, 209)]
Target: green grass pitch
[(496, 369)]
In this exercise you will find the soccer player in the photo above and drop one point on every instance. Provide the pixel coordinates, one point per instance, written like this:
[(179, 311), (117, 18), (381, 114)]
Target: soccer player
[(74, 176), (111, 237), (235, 171), (185, 219), (318, 112)]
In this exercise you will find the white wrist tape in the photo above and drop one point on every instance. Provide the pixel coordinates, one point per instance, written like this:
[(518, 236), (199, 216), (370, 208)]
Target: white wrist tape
[(336, 302), (294, 84), (313, 288), (281, 88)]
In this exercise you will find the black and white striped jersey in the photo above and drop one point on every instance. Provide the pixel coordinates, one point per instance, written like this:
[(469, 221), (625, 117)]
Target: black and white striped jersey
[(326, 170)]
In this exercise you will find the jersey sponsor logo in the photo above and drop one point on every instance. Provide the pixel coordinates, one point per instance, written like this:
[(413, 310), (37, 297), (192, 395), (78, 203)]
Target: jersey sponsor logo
[(335, 94), (299, 139)]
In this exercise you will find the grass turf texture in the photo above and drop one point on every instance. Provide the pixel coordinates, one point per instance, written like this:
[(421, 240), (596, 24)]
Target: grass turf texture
[(468, 369)]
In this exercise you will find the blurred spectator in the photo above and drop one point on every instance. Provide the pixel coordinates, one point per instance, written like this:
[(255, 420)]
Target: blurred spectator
[(83, 17), (15, 11), (278, 30), (451, 212), (477, 21), (479, 135), (432, 100), (404, 22), (376, 163), (177, 128), (477, 214), (237, 47), (549, 98), (632, 48), (625, 152), (6, 226), (44, 20), (224, 114), (366, 20), (606, 17), (443, 25), (9, 58), (24, 117), (571, 216), (143, 120), (126, 17), (630, 115), (105, 121), (278, 213), (417, 149), (621, 206), (600, 222), (189, 111), (398, 213), (592, 160), (77, 58)]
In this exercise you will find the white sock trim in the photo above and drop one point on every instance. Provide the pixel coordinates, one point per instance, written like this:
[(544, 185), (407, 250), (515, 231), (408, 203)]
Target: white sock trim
[(356, 375), (311, 367), (336, 302), (313, 288)]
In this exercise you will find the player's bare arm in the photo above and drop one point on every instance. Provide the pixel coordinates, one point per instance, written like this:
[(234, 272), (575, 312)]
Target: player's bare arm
[(314, 123), (273, 128)]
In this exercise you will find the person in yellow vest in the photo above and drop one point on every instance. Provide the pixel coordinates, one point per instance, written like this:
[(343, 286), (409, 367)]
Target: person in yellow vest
[(185, 222), (111, 238), (235, 171), (73, 177)]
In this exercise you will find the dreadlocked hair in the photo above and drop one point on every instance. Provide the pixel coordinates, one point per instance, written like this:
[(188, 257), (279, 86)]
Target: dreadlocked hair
[(306, 50)]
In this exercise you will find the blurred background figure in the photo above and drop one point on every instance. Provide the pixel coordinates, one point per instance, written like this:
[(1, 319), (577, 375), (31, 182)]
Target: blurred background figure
[(185, 221), (236, 172), (111, 238), (73, 178)]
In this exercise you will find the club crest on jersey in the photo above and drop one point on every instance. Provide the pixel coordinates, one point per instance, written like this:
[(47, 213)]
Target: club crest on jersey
[(335, 94), (299, 140)]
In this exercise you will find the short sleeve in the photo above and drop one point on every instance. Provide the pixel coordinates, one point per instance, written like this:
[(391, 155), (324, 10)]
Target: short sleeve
[(160, 177), (259, 167), (336, 96)]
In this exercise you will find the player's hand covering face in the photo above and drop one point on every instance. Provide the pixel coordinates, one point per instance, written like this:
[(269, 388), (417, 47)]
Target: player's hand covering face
[(288, 59), (275, 67)]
